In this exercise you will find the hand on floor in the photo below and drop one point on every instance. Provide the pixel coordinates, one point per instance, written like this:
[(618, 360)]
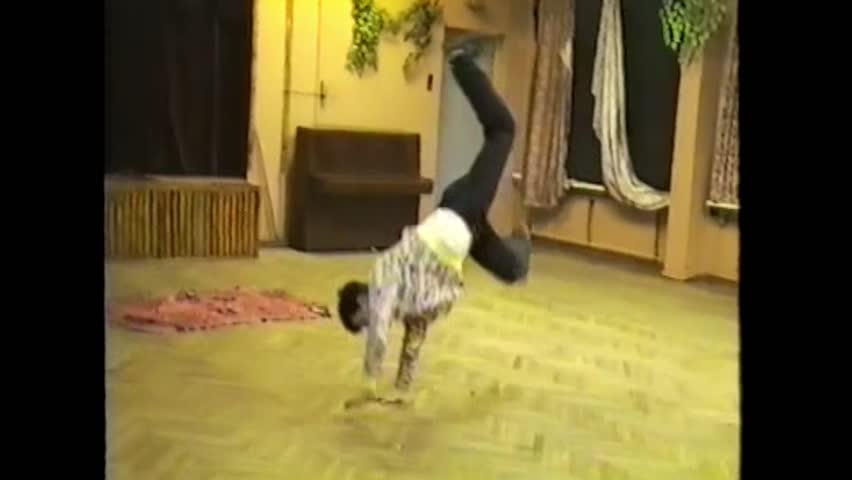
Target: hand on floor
[(399, 398), (367, 400), (370, 395)]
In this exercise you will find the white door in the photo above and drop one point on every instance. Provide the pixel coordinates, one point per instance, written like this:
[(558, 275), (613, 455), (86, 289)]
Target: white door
[(460, 134)]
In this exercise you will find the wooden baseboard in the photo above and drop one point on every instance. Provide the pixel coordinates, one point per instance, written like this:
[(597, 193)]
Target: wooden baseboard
[(613, 252), (632, 261), (678, 274)]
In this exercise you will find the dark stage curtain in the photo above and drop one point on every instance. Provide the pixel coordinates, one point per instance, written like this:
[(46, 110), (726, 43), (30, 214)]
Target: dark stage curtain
[(177, 96), (652, 81), (584, 149)]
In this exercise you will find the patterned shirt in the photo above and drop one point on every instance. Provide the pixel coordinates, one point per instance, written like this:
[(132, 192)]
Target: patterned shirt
[(411, 279)]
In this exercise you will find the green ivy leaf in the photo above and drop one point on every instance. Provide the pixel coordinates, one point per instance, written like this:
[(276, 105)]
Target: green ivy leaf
[(370, 21), (689, 24)]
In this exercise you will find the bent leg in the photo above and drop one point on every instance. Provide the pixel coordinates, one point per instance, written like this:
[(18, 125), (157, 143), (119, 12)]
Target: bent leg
[(492, 113), (498, 125), (507, 259)]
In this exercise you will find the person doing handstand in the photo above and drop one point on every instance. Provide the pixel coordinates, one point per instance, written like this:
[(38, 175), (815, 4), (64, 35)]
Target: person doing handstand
[(419, 279)]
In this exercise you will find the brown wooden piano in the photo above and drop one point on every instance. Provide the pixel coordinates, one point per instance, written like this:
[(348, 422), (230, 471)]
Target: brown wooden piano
[(351, 189)]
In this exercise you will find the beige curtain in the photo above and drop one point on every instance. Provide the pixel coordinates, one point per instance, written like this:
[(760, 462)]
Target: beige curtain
[(543, 170), (610, 117), (725, 179)]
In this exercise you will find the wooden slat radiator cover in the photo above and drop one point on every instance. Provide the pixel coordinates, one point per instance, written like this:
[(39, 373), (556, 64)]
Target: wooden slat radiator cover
[(162, 219)]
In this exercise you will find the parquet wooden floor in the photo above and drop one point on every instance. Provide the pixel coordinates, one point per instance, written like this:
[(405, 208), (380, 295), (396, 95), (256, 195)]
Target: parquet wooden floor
[(590, 372)]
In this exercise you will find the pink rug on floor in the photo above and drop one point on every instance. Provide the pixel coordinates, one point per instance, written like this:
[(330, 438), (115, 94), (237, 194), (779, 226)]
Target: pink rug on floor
[(192, 312)]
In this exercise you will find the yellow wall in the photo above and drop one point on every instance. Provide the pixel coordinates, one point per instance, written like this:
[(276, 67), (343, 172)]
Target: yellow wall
[(321, 34), (267, 105)]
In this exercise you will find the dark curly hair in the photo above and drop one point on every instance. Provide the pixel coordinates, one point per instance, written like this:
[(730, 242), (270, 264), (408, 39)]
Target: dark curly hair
[(348, 305)]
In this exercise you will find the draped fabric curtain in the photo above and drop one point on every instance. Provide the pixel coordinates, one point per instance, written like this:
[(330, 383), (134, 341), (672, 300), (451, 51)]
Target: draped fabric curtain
[(177, 86), (543, 170), (725, 176), (610, 119)]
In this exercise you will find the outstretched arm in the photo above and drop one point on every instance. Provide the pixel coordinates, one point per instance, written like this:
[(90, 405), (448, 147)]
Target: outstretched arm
[(381, 314)]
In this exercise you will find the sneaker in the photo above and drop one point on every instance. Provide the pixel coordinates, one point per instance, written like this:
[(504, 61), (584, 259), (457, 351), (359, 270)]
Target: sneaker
[(521, 246), (469, 46)]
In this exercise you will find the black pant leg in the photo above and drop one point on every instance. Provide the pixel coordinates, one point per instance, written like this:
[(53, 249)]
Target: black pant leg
[(471, 196), (507, 259)]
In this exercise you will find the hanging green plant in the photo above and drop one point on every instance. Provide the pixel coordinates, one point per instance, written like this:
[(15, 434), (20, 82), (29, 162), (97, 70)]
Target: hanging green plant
[(418, 21), (371, 21), (689, 24)]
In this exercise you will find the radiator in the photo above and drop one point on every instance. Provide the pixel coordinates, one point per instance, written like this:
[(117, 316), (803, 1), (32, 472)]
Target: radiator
[(163, 219)]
